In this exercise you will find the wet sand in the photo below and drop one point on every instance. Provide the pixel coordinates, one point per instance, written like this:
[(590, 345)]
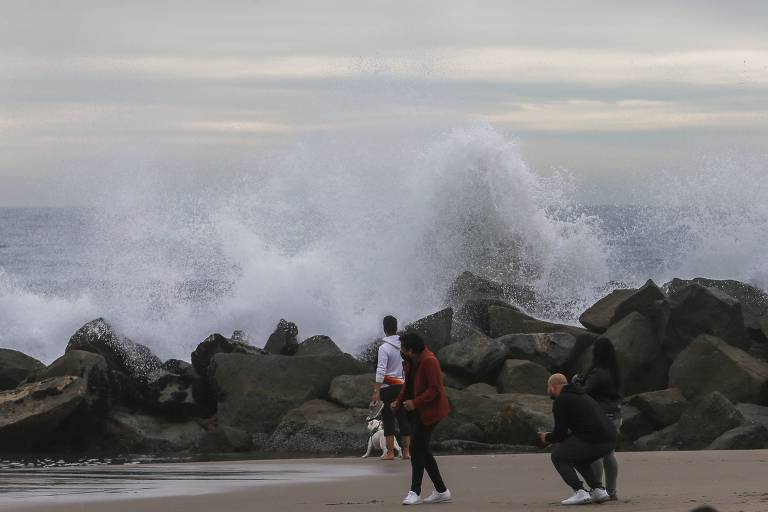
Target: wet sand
[(658, 481)]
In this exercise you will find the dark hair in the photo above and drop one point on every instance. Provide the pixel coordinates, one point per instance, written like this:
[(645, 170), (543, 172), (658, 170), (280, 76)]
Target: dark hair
[(412, 341), (390, 324), (604, 356)]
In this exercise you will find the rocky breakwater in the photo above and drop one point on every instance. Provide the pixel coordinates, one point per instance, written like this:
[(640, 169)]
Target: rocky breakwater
[(691, 352)]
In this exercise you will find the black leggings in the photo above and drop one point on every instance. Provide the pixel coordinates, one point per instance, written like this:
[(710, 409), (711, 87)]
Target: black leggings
[(388, 395), (421, 456)]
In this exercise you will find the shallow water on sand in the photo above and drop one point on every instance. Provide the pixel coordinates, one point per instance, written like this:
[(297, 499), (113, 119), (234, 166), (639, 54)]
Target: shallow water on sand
[(29, 486)]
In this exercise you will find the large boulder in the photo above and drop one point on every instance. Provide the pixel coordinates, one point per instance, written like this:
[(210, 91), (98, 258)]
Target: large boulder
[(485, 314), (16, 366), (751, 436), (666, 439), (218, 344), (255, 391), (477, 359), (643, 364), (469, 286), (661, 408), (89, 366), (551, 350), (521, 376), (133, 432), (352, 390), (707, 419), (754, 413), (461, 331), (754, 301), (225, 440), (283, 341), (495, 418), (122, 354), (618, 304), (318, 346), (709, 364), (320, 428), (696, 310), (31, 414), (179, 396), (635, 424), (435, 329)]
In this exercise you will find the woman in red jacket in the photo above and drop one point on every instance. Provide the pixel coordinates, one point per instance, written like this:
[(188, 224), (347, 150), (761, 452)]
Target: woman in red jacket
[(424, 397)]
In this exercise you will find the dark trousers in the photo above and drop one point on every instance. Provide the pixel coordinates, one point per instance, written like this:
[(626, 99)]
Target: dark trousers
[(573, 455), (388, 395), (421, 456)]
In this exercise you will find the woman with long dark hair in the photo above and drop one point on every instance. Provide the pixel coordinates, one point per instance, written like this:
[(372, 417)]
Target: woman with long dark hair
[(603, 383)]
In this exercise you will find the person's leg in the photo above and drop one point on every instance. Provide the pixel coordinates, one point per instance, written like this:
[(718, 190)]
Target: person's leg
[(597, 469), (611, 472), (388, 394), (405, 432), (430, 464), (564, 457), (418, 455), (589, 454)]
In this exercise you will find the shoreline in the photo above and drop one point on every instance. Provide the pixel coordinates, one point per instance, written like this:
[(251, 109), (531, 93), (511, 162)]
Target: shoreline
[(648, 481)]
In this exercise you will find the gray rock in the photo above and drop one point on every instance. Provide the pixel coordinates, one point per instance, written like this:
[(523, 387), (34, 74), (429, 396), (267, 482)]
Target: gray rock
[(477, 359), (666, 439), (224, 440), (89, 366), (176, 366), (435, 329), (754, 302), (352, 390), (318, 346), (454, 381), (461, 331), (662, 408), (708, 364), (16, 366), (255, 391), (218, 344), (122, 354), (635, 424), (178, 397), (320, 428), (521, 376), (481, 388), (469, 286), (746, 437), (495, 419), (31, 413), (618, 304), (643, 364), (754, 413), (488, 315), (283, 341), (696, 310), (707, 419), (137, 432), (550, 350)]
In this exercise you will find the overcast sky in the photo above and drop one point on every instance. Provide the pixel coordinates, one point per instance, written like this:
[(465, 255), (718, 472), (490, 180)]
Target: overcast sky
[(612, 91)]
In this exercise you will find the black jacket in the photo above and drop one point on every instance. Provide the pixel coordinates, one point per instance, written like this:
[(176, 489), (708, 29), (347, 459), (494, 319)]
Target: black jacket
[(576, 413), (600, 385)]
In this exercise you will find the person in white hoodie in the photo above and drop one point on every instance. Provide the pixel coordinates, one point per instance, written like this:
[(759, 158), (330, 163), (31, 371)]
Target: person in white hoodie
[(390, 380)]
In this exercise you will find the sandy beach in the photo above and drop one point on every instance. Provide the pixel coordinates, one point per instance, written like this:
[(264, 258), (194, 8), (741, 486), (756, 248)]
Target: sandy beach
[(653, 481)]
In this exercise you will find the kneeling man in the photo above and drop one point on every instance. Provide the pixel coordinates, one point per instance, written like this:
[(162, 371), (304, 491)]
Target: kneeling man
[(583, 433)]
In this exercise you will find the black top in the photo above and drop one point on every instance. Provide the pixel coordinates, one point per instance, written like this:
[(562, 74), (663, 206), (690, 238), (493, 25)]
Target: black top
[(600, 385), (578, 414)]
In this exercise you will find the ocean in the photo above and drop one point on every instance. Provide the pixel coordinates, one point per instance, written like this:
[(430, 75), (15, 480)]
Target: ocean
[(334, 244)]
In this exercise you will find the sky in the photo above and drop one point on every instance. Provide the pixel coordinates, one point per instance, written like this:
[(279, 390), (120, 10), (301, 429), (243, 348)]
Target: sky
[(611, 91)]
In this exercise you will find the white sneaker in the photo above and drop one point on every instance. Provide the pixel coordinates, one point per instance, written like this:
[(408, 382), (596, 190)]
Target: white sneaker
[(439, 497), (599, 495), (580, 498), (412, 499)]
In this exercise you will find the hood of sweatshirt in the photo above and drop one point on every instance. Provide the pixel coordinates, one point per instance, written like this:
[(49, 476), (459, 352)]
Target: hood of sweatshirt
[(393, 340)]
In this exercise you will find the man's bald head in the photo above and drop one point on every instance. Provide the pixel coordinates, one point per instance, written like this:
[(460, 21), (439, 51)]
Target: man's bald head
[(555, 384)]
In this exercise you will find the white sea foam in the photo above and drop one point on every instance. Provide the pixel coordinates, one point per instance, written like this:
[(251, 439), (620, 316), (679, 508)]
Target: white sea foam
[(341, 231)]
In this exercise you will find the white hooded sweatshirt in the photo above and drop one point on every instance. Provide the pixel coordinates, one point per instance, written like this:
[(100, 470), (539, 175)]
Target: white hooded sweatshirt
[(389, 369)]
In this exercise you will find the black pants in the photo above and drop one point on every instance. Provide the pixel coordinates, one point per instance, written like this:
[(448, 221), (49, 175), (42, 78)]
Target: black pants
[(421, 456), (388, 395), (573, 455)]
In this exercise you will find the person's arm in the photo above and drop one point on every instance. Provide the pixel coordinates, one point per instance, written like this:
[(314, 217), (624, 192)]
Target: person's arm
[(381, 370), (561, 423), (432, 373)]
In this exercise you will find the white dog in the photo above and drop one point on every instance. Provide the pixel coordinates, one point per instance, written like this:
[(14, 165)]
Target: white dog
[(376, 439)]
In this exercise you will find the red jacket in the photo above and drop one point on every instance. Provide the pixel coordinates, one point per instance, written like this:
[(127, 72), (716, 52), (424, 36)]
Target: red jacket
[(429, 395)]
